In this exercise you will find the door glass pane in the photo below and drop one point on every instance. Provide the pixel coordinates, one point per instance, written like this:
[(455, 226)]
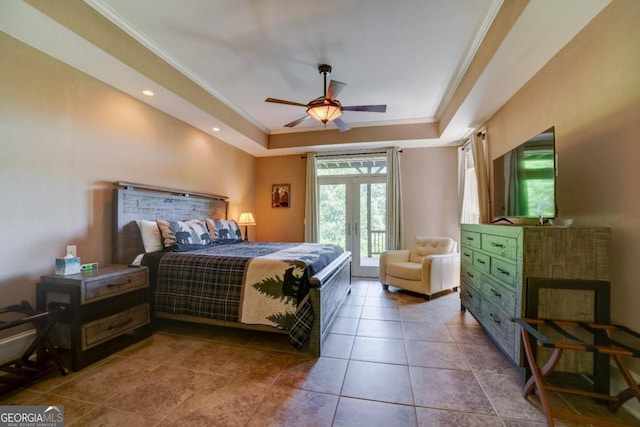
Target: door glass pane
[(372, 224), (333, 214)]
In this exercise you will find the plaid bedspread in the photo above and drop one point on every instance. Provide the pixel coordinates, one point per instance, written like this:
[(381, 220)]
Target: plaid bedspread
[(212, 283)]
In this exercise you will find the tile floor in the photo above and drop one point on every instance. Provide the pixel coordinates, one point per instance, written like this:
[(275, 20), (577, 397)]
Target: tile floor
[(391, 359)]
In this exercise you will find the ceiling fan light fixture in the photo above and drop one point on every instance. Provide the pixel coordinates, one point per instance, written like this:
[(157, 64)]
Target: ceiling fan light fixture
[(325, 111), (327, 108)]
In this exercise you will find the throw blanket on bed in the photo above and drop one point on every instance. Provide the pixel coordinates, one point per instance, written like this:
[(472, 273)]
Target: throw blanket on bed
[(256, 283), (283, 277)]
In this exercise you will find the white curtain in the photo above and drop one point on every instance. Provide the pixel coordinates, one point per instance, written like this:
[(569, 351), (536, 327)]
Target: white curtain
[(467, 186), (311, 202), (394, 200), (473, 186), (461, 174), (481, 165)]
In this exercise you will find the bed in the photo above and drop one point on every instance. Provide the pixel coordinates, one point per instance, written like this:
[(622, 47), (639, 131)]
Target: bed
[(316, 289)]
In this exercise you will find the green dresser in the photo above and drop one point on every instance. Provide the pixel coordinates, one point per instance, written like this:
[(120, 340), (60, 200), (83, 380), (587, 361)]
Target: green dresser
[(497, 259)]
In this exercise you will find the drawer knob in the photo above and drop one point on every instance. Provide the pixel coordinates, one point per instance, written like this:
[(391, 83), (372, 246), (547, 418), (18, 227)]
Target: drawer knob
[(470, 238), (494, 319), (501, 271), (117, 285), (470, 275), (497, 245), (120, 325), (496, 293), (479, 261), (468, 294)]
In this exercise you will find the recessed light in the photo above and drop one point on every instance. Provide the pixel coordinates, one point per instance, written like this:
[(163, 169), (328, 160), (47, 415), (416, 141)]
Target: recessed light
[(216, 129), (148, 92)]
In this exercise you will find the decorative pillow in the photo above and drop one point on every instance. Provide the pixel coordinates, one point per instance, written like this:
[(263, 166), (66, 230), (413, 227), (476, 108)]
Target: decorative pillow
[(184, 235), (150, 233), (224, 231)]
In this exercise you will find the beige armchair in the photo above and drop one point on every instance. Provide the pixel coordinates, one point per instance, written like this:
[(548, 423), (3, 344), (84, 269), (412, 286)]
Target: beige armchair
[(431, 266)]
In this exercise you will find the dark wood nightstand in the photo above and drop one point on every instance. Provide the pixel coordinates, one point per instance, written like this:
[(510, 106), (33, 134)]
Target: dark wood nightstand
[(108, 310)]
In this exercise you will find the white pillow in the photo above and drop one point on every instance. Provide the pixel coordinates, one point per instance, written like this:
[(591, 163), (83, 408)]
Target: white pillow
[(150, 233)]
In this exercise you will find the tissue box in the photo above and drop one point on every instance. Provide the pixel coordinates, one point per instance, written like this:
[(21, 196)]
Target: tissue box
[(65, 266)]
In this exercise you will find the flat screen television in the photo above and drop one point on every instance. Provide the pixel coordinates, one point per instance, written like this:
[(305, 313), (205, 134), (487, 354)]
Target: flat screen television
[(524, 179)]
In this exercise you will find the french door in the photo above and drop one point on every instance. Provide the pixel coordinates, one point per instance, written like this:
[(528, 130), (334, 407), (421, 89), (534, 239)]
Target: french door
[(352, 212)]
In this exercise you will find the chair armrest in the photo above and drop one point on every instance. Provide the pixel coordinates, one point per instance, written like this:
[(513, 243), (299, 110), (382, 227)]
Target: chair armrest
[(452, 255), (386, 257), (437, 260), (442, 270)]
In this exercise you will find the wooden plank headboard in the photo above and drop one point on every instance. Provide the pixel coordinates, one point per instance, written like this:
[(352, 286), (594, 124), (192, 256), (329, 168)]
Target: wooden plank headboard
[(138, 201)]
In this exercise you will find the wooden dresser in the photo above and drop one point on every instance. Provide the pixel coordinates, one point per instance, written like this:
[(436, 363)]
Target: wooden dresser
[(108, 310), (498, 259)]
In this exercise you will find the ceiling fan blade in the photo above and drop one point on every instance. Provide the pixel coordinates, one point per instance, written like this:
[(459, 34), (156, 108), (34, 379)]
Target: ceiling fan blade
[(335, 87), (296, 122), (282, 101), (342, 126), (369, 108)]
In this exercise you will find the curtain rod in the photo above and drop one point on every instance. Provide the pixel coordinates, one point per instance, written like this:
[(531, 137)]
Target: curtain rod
[(304, 156)]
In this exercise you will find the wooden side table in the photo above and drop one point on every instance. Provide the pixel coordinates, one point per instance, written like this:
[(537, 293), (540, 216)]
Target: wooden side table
[(108, 309)]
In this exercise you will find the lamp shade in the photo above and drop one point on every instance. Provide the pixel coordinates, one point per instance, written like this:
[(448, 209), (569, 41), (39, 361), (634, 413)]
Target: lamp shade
[(325, 111), (246, 218)]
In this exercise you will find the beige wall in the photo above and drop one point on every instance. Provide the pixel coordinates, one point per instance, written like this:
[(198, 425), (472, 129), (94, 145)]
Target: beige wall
[(429, 188), (429, 193), (590, 92), (280, 224), (64, 138)]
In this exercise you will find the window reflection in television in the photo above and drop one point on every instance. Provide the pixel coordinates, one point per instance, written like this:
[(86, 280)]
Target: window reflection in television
[(524, 179)]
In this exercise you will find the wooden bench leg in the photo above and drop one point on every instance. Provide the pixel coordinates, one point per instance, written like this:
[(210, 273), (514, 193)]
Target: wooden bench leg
[(537, 378), (544, 371), (632, 391)]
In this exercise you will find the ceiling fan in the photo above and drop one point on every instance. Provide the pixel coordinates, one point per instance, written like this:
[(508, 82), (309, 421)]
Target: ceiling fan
[(327, 108)]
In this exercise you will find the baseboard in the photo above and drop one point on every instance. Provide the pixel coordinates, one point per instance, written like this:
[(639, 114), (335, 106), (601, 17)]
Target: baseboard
[(12, 347), (618, 384)]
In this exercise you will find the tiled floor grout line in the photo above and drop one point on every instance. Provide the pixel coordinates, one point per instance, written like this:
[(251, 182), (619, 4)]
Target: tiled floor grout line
[(291, 374), (482, 387)]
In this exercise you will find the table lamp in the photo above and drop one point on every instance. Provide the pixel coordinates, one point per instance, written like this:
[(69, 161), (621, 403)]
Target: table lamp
[(246, 219)]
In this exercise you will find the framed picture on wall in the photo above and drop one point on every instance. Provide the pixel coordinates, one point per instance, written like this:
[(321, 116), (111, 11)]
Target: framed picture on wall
[(280, 195)]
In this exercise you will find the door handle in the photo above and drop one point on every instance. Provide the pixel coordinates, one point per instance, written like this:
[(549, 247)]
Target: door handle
[(348, 229), (355, 228)]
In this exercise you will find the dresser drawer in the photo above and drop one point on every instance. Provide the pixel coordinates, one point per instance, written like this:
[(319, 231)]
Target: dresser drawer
[(500, 245), (504, 271), (482, 262), (503, 328), (470, 297), (106, 287), (471, 276), (498, 295), (466, 255), (102, 330), (471, 238)]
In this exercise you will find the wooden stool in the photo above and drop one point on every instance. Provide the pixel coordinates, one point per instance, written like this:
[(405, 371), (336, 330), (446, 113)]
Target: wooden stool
[(606, 345)]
